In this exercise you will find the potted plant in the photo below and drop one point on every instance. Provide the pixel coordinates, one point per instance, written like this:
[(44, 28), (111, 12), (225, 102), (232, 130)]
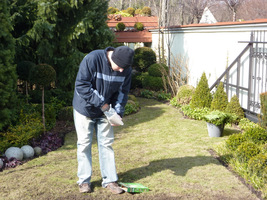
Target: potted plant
[(215, 122)]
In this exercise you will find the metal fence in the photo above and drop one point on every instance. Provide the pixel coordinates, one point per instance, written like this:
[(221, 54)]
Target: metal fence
[(246, 77)]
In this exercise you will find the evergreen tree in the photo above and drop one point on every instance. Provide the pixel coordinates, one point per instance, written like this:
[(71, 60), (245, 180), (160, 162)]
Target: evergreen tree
[(235, 108), (202, 96), (220, 99), (60, 33), (7, 68)]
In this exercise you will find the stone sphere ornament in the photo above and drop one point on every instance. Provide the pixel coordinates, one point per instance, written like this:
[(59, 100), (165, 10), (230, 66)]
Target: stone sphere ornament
[(37, 151), (14, 152), (28, 151)]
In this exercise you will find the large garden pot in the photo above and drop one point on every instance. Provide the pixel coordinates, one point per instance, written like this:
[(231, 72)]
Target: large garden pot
[(214, 130)]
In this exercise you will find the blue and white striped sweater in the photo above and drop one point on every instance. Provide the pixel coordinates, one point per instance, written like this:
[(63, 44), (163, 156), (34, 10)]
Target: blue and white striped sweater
[(96, 84)]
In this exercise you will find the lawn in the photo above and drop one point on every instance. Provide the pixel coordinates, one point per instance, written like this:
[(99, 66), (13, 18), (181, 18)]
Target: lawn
[(156, 147)]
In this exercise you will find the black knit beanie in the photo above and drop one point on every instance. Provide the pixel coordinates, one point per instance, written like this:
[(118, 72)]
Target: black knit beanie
[(123, 56)]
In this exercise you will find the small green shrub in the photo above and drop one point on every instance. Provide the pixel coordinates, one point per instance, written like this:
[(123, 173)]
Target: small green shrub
[(162, 96), (257, 165), (246, 151), (158, 70), (139, 26), (220, 99), (234, 141), (131, 107), (184, 94), (131, 11), (202, 96), (234, 107), (146, 11), (246, 124), (174, 102), (147, 94), (137, 79), (143, 58), (257, 135), (120, 26), (153, 83), (29, 127)]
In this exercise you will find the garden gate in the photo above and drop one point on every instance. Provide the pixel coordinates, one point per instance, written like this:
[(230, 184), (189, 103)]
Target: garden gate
[(246, 77)]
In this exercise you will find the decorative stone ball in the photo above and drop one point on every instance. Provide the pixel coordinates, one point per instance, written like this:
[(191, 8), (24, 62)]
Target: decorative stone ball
[(1, 163), (37, 151), (28, 151), (14, 152)]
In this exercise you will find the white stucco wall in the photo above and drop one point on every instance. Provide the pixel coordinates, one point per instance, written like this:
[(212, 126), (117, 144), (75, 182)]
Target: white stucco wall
[(208, 49)]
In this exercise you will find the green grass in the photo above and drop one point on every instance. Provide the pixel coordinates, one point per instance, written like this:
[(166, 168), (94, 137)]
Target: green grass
[(156, 147)]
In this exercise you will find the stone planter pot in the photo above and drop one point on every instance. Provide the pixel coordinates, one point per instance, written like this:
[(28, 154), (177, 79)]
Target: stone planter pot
[(214, 130)]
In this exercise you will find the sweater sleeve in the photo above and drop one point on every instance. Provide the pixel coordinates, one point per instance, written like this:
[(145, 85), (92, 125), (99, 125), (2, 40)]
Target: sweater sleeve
[(84, 83), (122, 96)]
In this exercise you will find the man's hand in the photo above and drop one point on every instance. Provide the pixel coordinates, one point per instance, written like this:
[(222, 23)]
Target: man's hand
[(113, 118)]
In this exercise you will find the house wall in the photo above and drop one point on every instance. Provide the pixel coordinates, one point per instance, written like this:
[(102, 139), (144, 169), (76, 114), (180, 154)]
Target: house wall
[(207, 48)]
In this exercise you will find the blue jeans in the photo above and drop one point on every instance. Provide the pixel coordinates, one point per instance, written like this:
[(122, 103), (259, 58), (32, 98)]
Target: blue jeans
[(105, 136)]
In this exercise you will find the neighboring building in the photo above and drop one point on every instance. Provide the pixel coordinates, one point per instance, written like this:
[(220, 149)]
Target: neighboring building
[(130, 35), (211, 48), (207, 17)]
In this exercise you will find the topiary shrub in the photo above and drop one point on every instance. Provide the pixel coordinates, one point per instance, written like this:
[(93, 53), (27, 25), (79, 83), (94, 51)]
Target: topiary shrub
[(246, 151), (112, 10), (184, 94), (146, 11), (263, 114), (158, 70), (202, 96), (153, 83), (257, 135), (234, 141), (139, 26), (42, 75), (120, 26), (138, 11), (220, 99), (131, 11), (234, 107), (257, 165), (143, 58)]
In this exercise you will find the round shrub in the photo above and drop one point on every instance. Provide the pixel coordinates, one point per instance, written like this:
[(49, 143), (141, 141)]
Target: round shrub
[(234, 141), (143, 58), (158, 70), (131, 107), (184, 94), (234, 107), (138, 11), (153, 83), (257, 135), (42, 75), (246, 151), (112, 10), (146, 11), (258, 164), (202, 96), (28, 151), (139, 26), (130, 10), (220, 99), (120, 26), (14, 152)]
